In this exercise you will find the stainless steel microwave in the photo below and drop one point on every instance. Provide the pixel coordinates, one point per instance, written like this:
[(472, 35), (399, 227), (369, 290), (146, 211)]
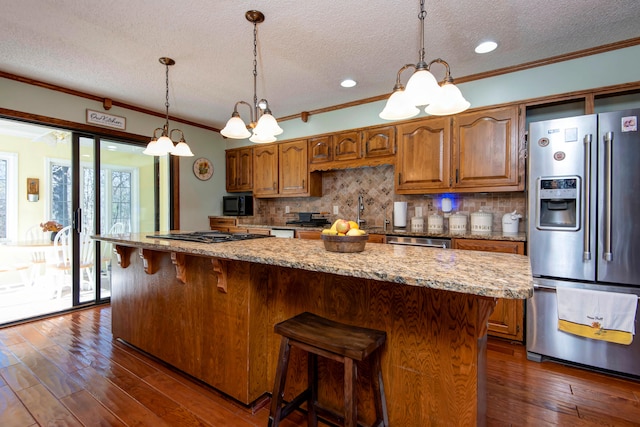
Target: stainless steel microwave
[(237, 205)]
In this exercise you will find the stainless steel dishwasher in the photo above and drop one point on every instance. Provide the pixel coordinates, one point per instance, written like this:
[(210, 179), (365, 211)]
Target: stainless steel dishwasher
[(419, 241)]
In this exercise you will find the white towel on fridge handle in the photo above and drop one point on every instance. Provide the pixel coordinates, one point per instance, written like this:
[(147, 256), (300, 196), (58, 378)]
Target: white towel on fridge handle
[(612, 310)]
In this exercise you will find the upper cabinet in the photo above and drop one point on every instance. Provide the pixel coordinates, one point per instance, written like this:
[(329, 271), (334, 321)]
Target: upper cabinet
[(282, 170), (486, 152), (351, 149), (265, 170), (424, 156), (239, 169), (379, 142), (470, 152)]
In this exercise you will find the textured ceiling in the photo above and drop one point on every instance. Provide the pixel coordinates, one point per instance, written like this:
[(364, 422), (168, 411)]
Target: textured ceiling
[(110, 48)]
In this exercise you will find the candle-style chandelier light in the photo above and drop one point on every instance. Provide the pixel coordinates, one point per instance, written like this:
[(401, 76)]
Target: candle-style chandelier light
[(165, 143), (441, 99), (265, 127)]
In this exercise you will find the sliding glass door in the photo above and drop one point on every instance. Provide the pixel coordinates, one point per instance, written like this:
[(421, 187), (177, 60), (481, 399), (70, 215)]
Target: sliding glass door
[(57, 189)]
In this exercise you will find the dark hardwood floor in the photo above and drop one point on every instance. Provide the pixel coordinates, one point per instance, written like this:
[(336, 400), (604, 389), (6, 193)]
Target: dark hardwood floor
[(68, 371)]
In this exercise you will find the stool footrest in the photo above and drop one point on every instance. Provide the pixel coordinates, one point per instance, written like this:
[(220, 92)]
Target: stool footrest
[(338, 419), (295, 403)]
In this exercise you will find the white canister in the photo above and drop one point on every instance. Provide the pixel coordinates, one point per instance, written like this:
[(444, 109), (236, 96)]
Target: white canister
[(510, 222), (458, 223), (481, 222), (417, 224), (435, 223)]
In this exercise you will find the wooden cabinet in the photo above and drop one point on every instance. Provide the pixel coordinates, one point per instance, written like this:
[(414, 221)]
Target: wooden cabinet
[(265, 171), (507, 319), (377, 238), (335, 148), (315, 235), (347, 146), (355, 148), (282, 170), (230, 225), (239, 169), (222, 223), (321, 149), (379, 142), (293, 173), (308, 234), (470, 152), (209, 322), (486, 154), (423, 158)]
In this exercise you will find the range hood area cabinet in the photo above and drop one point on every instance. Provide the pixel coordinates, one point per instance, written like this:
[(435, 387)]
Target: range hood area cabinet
[(239, 169), (354, 148), (470, 152), (282, 170)]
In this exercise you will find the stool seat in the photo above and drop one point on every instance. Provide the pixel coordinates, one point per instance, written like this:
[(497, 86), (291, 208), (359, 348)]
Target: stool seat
[(337, 341), (350, 341)]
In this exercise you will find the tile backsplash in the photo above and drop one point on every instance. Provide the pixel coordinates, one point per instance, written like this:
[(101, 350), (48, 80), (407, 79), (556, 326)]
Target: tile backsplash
[(342, 187)]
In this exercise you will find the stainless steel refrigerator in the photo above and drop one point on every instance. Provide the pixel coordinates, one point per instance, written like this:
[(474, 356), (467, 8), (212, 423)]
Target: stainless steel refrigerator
[(584, 228)]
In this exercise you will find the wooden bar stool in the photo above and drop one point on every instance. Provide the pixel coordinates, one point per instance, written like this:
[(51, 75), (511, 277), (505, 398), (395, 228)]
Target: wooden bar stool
[(343, 343)]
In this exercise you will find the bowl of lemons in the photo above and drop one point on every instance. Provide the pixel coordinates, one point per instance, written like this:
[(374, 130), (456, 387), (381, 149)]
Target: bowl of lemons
[(344, 236)]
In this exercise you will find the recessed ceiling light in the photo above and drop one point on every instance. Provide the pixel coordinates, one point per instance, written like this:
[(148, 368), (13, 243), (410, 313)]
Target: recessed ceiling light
[(348, 83), (486, 47)]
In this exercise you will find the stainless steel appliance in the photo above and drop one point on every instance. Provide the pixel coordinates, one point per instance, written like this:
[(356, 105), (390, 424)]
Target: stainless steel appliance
[(419, 241), (237, 205), (307, 219), (208, 236), (584, 181)]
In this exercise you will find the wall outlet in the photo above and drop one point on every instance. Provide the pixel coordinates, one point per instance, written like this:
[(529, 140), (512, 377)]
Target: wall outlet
[(336, 210), (287, 209)]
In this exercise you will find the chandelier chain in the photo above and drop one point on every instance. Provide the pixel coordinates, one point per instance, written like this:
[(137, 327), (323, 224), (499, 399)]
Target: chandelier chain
[(422, 15), (255, 66), (166, 103)]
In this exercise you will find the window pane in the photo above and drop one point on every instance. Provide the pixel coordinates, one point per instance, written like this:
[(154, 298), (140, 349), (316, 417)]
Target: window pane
[(121, 196), (61, 194)]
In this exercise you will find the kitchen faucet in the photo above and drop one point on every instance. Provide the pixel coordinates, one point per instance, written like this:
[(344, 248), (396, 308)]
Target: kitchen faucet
[(359, 210)]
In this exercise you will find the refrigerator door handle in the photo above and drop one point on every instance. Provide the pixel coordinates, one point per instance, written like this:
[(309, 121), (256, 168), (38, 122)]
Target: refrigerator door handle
[(608, 142), (586, 244)]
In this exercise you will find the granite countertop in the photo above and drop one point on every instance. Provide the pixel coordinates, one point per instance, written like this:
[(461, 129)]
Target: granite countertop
[(479, 273)]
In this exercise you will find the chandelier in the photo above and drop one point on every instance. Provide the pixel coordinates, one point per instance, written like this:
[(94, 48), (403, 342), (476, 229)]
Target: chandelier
[(165, 144), (441, 99), (266, 128)]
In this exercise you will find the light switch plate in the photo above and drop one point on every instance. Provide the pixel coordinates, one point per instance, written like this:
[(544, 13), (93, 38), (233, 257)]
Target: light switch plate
[(287, 209), (336, 210)]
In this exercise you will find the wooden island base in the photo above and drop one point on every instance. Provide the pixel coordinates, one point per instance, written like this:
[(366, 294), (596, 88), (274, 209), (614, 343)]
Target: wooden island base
[(214, 318)]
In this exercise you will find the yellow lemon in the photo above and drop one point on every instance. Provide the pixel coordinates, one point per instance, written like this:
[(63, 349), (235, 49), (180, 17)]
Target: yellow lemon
[(353, 224)]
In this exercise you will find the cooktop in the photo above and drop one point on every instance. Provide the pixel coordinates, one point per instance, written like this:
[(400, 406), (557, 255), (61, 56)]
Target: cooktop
[(208, 236)]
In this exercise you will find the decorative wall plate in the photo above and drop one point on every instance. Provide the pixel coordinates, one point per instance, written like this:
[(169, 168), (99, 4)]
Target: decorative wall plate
[(202, 169)]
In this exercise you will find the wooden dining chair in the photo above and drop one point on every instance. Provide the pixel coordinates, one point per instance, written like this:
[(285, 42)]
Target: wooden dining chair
[(62, 260), (106, 250), (34, 234)]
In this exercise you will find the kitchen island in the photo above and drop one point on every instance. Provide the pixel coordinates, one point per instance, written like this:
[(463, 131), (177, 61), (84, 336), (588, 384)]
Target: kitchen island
[(209, 310)]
